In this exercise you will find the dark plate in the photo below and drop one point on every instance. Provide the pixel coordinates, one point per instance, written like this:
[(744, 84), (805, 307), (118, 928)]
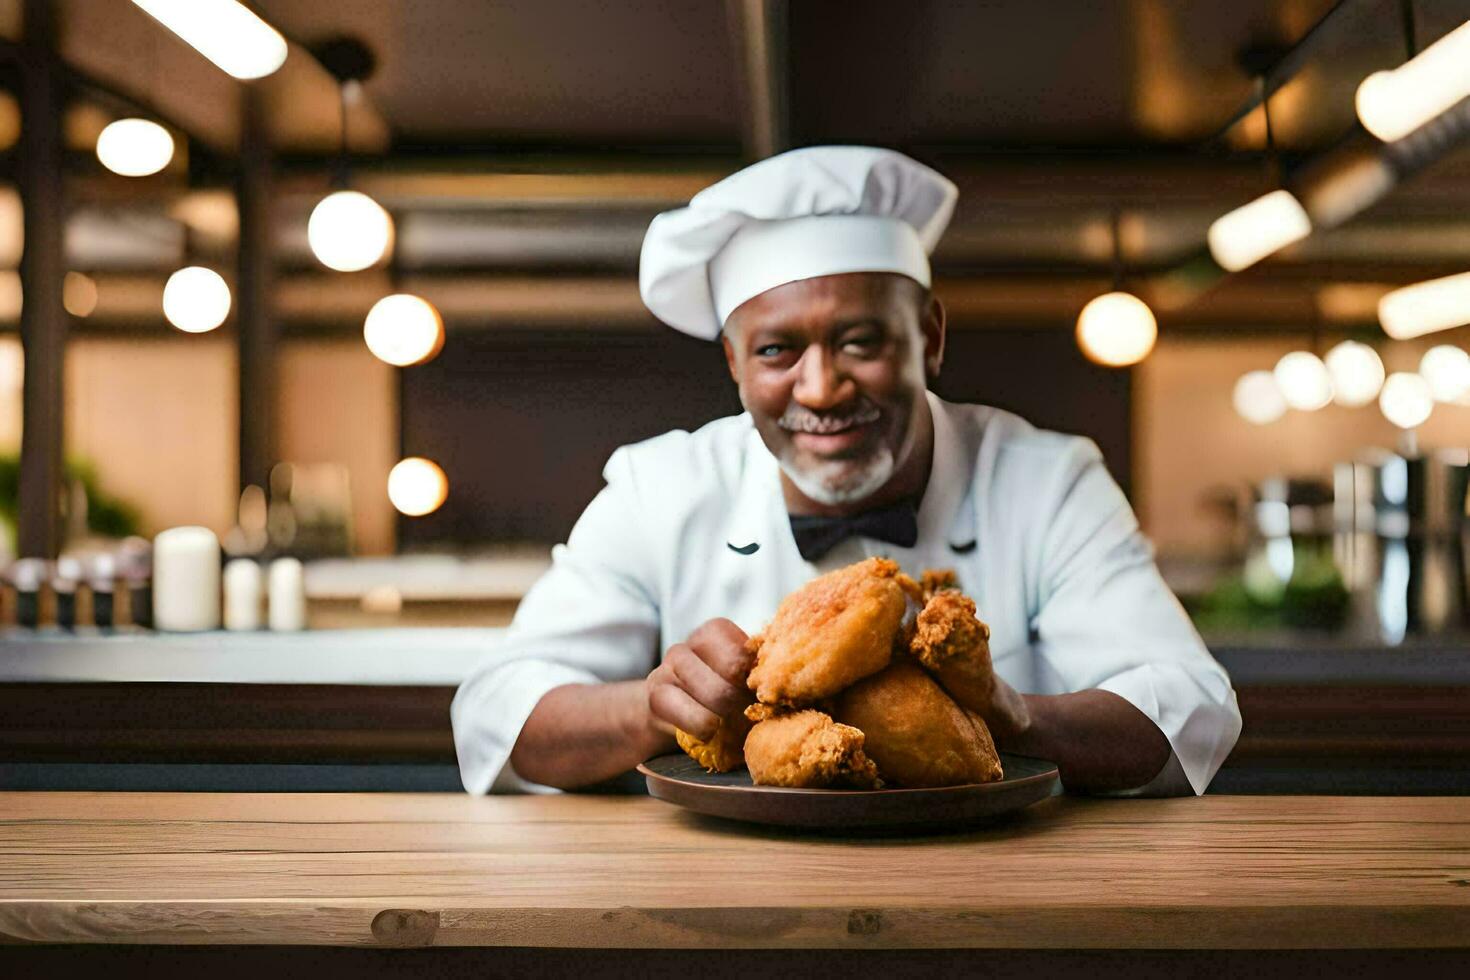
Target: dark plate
[(679, 779)]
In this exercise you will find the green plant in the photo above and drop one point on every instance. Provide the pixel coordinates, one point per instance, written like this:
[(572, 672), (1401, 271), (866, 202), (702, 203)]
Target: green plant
[(106, 515)]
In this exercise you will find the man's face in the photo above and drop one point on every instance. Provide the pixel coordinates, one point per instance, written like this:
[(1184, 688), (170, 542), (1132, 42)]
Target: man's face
[(831, 369)]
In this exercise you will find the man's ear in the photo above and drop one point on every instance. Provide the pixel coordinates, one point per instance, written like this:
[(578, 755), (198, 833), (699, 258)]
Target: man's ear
[(729, 355), (933, 324)]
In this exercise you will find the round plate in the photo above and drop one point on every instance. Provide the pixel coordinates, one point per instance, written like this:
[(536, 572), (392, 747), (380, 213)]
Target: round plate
[(679, 779)]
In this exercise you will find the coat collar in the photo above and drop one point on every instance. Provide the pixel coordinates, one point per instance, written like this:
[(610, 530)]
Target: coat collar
[(759, 518)]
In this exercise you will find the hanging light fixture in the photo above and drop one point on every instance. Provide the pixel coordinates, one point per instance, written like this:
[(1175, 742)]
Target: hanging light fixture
[(1426, 307), (1239, 239), (404, 330), (1304, 381), (134, 147), (1392, 104), (224, 31), (1406, 400), (1356, 372), (348, 231), (1116, 329), (196, 299), (1257, 398), (1446, 369), (417, 486)]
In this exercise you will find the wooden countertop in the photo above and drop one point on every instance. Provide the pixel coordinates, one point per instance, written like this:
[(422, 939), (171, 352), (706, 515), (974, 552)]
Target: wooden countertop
[(562, 871)]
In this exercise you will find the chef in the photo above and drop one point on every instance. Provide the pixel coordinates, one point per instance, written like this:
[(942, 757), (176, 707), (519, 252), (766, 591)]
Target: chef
[(811, 270)]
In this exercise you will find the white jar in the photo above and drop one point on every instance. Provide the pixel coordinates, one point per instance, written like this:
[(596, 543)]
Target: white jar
[(244, 594), (186, 579), (287, 595)]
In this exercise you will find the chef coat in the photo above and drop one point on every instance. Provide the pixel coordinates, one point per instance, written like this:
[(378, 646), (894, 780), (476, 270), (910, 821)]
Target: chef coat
[(693, 526)]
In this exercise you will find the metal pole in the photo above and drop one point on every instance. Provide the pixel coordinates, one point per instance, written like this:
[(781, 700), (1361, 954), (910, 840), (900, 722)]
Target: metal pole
[(257, 329), (43, 319)]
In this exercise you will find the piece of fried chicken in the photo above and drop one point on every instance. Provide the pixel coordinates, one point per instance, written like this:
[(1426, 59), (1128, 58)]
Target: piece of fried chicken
[(915, 732), (806, 749), (836, 629), (722, 751), (952, 642)]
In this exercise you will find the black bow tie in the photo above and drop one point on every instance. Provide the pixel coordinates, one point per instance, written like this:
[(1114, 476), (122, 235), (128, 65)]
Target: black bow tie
[(815, 536)]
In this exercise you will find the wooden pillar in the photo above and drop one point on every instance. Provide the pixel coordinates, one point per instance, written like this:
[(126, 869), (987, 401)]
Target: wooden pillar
[(256, 322), (759, 31), (43, 319)]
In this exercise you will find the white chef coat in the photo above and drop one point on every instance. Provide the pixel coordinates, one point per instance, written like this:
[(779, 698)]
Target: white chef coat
[(692, 526)]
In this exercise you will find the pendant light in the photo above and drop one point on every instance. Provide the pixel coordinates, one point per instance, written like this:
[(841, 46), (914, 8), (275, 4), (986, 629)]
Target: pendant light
[(196, 299), (226, 32), (403, 329), (348, 231), (1116, 329), (417, 486), (1242, 237), (1356, 371), (1392, 104), (134, 147)]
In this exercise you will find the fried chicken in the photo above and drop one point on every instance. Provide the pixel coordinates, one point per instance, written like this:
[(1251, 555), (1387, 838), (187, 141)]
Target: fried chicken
[(836, 629), (723, 751), (937, 580), (915, 732), (806, 749), (952, 642)]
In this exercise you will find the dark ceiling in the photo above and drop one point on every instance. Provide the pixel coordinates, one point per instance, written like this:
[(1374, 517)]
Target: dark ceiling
[(534, 138)]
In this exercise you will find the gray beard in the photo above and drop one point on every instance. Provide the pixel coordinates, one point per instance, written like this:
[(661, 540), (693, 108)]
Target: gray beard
[(841, 481)]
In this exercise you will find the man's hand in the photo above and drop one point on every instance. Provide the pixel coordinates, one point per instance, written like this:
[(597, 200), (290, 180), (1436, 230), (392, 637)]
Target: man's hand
[(701, 680), (1006, 714)]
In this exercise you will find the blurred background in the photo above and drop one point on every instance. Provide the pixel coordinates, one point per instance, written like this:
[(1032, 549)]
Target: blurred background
[(356, 282)]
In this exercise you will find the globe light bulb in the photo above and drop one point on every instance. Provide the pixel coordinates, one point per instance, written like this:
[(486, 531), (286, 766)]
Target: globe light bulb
[(403, 330), (1116, 329), (1406, 400), (1304, 381), (1257, 398), (134, 147), (1356, 371), (417, 486), (349, 231), (1446, 369), (196, 299), (1245, 236)]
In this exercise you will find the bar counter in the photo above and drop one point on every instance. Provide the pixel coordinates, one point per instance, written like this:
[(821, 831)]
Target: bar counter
[(629, 872)]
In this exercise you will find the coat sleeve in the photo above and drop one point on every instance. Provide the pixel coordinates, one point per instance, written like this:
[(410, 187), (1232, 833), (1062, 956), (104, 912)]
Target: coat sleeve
[(1106, 620), (593, 617)]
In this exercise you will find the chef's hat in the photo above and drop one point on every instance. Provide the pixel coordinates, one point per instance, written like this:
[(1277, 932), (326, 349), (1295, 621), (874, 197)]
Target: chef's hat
[(817, 211)]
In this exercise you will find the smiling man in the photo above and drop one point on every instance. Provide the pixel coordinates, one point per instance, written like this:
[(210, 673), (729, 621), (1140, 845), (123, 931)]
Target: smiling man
[(811, 269)]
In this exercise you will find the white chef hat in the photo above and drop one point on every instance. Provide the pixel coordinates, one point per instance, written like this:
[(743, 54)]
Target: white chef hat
[(816, 211)]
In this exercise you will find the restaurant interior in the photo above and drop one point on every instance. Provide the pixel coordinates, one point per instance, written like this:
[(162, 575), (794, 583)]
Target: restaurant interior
[(336, 306)]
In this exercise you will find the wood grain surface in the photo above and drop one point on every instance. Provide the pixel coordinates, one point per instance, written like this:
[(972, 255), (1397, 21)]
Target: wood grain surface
[(565, 871)]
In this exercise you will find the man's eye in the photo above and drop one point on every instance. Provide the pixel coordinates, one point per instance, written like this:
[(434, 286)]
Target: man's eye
[(769, 350), (863, 344)]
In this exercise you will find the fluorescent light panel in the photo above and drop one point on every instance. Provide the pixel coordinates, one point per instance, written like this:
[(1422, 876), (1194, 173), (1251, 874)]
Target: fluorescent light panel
[(225, 32), (1426, 307), (1253, 231), (1392, 104)]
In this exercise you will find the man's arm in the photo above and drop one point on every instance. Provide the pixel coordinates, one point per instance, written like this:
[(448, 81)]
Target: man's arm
[(580, 734), (1098, 740), (585, 733)]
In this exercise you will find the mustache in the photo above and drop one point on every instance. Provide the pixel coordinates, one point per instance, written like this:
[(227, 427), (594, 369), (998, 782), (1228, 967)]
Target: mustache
[(798, 418)]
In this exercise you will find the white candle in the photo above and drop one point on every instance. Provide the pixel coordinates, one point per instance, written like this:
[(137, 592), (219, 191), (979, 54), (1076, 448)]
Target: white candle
[(244, 588), (186, 580), (287, 595)]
